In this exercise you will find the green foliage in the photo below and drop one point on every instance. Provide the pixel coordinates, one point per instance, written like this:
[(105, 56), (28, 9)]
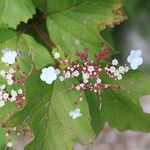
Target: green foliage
[(75, 25), (13, 12), (47, 114), (3, 138)]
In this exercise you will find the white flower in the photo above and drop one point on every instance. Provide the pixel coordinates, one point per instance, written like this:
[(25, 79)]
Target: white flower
[(2, 87), (116, 73), (121, 69), (135, 59), (98, 80), (9, 56), (112, 69), (126, 69), (75, 73), (2, 103), (119, 77), (75, 114), (61, 78), (56, 55), (20, 91), (115, 62), (85, 76), (77, 87), (90, 68), (48, 75), (57, 71), (85, 80), (13, 93), (67, 74), (10, 82), (5, 96), (12, 71)]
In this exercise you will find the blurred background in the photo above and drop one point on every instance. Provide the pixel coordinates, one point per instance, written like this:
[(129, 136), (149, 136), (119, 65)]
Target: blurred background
[(134, 33)]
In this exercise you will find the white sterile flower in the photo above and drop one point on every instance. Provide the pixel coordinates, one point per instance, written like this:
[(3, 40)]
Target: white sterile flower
[(77, 87), (5, 96), (119, 77), (57, 71), (48, 75), (2, 87), (98, 80), (67, 74), (10, 82), (75, 73), (56, 55), (13, 93), (121, 69), (85, 80), (82, 85), (2, 103), (135, 59), (90, 68), (85, 76), (115, 62), (75, 114), (20, 91), (61, 78), (116, 73), (112, 69), (9, 56), (12, 71), (9, 76), (126, 69)]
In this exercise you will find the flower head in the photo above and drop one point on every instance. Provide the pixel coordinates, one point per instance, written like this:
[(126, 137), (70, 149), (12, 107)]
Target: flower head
[(135, 59), (48, 75), (75, 114), (56, 55), (9, 56), (115, 62)]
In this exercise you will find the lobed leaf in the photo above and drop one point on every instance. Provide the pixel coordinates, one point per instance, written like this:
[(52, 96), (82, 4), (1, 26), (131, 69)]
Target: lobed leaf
[(47, 114), (74, 25), (16, 11)]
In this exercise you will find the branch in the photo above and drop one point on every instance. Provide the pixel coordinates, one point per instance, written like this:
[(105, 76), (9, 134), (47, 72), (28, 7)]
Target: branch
[(44, 37)]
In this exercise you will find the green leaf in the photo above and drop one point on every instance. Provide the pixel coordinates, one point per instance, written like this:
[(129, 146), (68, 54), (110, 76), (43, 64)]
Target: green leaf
[(12, 12), (135, 83), (47, 114), (75, 24), (95, 112), (26, 44), (3, 138), (40, 4), (121, 112), (7, 111)]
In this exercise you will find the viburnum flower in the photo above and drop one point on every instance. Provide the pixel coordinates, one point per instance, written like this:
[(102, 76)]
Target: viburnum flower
[(75, 114), (9, 56), (135, 59), (48, 75), (115, 62), (56, 55)]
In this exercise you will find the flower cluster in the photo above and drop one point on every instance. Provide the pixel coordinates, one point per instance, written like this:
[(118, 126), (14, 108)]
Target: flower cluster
[(10, 77), (89, 72), (12, 96), (9, 56)]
